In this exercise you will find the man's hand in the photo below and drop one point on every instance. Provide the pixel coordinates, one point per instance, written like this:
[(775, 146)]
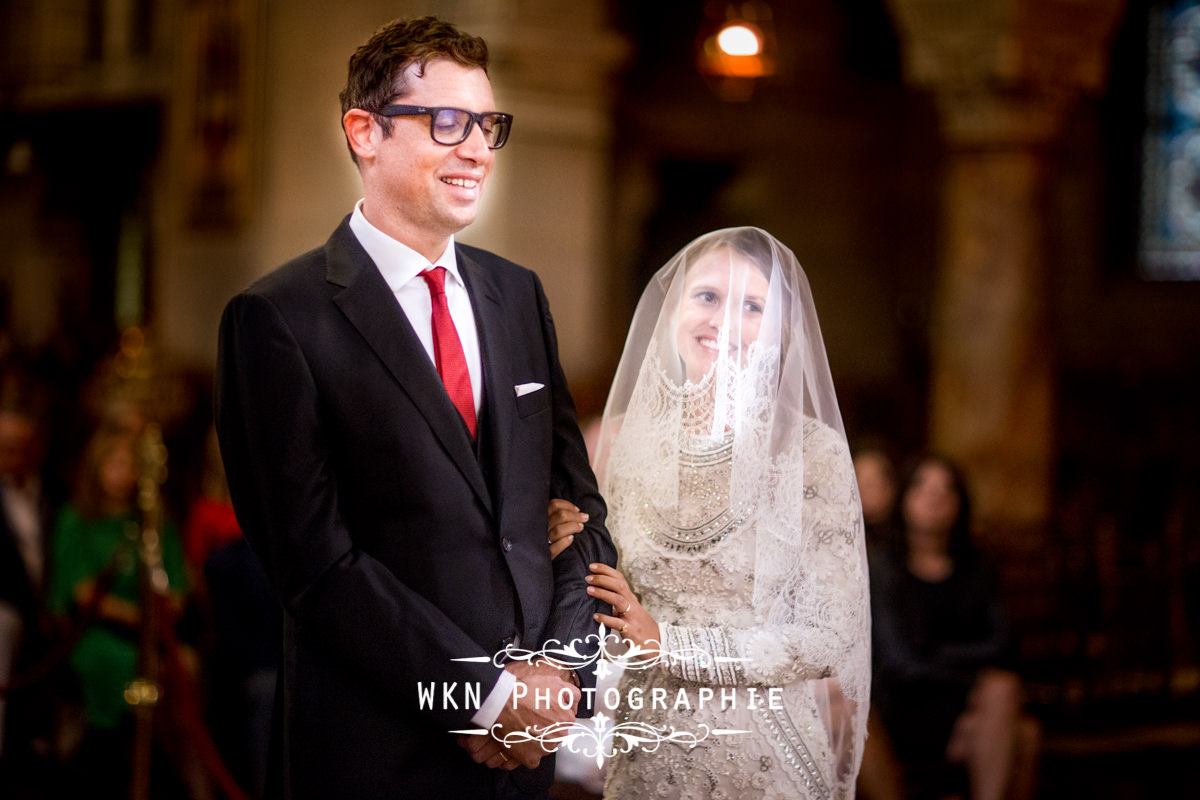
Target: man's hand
[(522, 712)]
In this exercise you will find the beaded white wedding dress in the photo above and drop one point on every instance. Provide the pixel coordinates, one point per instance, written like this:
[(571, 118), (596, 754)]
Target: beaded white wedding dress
[(733, 503), (697, 579)]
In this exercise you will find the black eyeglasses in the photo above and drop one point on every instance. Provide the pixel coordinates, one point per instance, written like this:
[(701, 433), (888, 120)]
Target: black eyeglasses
[(451, 126)]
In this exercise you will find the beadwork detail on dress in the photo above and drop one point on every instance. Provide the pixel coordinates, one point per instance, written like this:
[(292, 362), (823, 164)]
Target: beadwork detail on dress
[(796, 752)]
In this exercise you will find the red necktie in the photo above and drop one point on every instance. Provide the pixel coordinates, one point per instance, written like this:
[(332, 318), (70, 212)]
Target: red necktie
[(447, 349)]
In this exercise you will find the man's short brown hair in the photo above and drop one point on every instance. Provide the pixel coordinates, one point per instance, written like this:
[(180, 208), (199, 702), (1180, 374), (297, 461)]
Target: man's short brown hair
[(376, 74)]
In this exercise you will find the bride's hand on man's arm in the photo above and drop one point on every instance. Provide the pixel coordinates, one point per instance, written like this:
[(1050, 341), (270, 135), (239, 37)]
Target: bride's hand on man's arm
[(629, 619), (565, 520)]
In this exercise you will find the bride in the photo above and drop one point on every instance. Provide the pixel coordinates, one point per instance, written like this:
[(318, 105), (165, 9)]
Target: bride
[(732, 499)]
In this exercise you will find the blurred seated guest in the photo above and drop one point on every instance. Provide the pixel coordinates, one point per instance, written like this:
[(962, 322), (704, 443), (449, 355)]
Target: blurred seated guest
[(247, 626), (95, 577), (875, 473), (211, 522), (944, 688), (25, 630)]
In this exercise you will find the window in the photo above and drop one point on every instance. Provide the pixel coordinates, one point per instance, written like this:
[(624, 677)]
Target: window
[(1169, 230)]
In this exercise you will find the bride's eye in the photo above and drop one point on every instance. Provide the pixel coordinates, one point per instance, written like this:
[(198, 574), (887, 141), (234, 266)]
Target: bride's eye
[(752, 307), (706, 297)]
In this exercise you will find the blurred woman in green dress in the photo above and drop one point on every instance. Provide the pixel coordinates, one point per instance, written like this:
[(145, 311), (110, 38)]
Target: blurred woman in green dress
[(95, 549)]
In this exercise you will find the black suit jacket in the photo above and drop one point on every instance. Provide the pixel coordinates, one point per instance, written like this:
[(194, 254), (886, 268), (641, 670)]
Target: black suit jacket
[(395, 543), (16, 586)]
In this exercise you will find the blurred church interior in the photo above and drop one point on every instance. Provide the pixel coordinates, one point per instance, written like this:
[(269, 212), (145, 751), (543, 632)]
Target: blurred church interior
[(997, 203)]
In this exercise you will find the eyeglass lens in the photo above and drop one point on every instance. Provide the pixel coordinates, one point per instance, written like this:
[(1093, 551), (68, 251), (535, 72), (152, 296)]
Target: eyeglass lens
[(452, 125)]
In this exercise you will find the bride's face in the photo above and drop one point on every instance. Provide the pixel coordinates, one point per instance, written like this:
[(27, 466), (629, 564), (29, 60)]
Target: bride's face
[(723, 293)]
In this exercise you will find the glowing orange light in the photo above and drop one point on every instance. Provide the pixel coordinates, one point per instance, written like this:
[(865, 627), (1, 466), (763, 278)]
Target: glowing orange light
[(739, 40), (736, 46)]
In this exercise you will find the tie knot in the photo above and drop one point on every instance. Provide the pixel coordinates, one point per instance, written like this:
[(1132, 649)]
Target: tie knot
[(436, 278)]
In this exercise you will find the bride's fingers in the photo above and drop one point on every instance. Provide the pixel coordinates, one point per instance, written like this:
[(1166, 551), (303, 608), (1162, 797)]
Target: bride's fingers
[(606, 575), (611, 622), (611, 584), (561, 512), (565, 521), (561, 537), (610, 597), (569, 519), (621, 627), (561, 532), (635, 632), (558, 545)]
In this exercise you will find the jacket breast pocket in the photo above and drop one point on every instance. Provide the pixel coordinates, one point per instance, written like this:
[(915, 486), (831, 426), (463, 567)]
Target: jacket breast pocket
[(533, 403)]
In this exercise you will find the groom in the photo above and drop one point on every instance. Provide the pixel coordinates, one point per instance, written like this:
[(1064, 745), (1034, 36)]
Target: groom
[(393, 421)]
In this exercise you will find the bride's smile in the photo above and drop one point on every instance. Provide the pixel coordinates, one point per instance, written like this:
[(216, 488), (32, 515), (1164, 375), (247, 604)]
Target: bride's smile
[(721, 310)]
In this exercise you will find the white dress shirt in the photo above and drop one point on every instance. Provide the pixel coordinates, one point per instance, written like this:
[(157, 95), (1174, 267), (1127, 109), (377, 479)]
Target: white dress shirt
[(401, 267), (21, 505)]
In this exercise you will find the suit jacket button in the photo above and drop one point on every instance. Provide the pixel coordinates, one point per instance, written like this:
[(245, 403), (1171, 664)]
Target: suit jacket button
[(506, 543)]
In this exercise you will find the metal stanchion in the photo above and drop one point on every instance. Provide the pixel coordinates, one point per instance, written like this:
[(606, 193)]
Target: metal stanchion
[(137, 376), (144, 692)]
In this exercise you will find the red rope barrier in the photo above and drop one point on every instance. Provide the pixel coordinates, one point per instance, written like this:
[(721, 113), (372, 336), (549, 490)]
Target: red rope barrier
[(193, 720)]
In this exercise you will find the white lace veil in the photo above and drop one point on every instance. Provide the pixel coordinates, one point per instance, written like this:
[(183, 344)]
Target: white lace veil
[(725, 350)]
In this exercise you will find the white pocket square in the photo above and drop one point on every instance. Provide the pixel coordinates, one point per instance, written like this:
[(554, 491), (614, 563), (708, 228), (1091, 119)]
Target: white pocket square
[(526, 388)]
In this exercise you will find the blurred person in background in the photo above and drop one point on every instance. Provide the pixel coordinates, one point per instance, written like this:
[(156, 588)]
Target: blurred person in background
[(26, 713), (945, 688), (245, 623), (95, 581), (875, 472)]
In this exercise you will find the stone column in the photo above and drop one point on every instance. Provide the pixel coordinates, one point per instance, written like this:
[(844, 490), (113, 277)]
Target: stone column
[(1003, 74)]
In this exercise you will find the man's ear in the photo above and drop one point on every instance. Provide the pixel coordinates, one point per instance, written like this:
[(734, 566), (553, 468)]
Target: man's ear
[(360, 129)]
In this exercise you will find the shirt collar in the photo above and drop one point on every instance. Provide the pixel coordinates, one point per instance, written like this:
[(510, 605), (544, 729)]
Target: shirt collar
[(396, 261)]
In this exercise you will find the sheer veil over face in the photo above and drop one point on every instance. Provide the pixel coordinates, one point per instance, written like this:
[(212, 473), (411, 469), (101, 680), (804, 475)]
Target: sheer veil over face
[(730, 316), (724, 383), (720, 312)]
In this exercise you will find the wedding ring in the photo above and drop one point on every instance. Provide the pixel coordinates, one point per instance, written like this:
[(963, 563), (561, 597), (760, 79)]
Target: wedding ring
[(624, 628), (504, 757)]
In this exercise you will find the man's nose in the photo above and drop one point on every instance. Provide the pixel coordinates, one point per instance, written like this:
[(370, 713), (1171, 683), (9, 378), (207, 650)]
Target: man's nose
[(474, 147)]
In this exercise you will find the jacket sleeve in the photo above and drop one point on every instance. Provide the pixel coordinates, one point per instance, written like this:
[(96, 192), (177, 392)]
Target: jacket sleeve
[(571, 478)]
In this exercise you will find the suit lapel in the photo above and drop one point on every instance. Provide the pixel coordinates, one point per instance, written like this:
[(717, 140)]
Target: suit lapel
[(369, 304), (496, 348)]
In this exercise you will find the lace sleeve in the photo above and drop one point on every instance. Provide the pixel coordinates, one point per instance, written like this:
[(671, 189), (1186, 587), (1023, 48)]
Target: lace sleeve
[(810, 588), (766, 655)]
